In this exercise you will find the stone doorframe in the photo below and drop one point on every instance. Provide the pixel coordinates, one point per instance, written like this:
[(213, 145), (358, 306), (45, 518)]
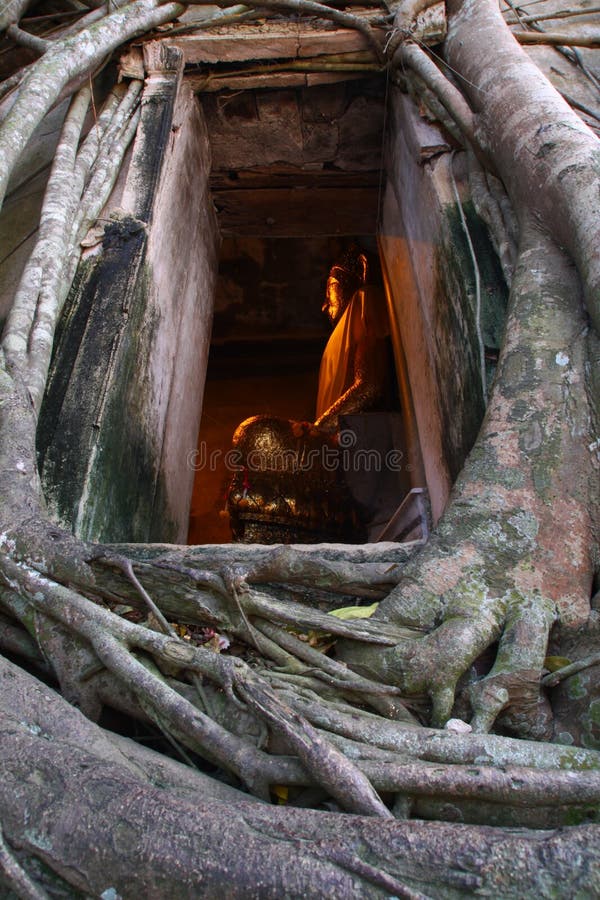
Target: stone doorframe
[(123, 402)]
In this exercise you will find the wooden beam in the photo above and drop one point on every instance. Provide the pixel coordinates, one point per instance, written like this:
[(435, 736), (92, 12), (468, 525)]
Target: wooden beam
[(297, 212), (250, 43), (562, 38), (283, 176), (236, 81)]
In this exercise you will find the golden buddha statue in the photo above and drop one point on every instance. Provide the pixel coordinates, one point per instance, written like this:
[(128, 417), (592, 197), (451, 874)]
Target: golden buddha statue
[(290, 484)]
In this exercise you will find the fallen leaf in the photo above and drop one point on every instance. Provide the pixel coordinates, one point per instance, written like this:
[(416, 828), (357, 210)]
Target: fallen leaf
[(355, 612)]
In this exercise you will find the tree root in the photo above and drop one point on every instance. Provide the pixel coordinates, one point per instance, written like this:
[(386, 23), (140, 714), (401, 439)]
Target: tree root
[(330, 671), (63, 63), (132, 653), (100, 628), (469, 592), (485, 577), (191, 845), (16, 878), (31, 41), (435, 745)]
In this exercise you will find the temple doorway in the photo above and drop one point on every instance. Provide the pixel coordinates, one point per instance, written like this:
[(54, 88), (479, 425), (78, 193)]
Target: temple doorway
[(254, 166), (325, 162), (268, 337), (296, 176)]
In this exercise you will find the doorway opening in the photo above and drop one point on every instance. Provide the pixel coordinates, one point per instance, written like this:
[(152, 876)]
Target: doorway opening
[(297, 177), (268, 338)]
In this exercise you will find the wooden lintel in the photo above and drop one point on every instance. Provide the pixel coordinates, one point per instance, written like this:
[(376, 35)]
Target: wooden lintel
[(282, 176), (297, 212), (268, 44), (211, 82)]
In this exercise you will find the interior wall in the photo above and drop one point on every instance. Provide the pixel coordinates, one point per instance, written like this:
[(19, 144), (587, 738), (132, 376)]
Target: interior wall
[(297, 162), (432, 288), (183, 258), (273, 287)]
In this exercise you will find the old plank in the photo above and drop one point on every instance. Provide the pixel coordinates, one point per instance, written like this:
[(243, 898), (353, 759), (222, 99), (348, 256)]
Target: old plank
[(211, 81), (296, 212), (267, 44), (284, 176)]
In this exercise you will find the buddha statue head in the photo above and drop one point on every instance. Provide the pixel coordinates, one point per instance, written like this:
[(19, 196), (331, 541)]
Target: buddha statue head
[(346, 277)]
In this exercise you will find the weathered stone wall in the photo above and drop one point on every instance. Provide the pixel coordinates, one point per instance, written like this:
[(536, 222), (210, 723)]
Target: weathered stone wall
[(123, 403), (333, 126), (183, 257), (297, 163), (432, 284), (272, 288)]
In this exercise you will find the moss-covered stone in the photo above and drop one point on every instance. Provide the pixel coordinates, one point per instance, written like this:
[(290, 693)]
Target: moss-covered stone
[(93, 423)]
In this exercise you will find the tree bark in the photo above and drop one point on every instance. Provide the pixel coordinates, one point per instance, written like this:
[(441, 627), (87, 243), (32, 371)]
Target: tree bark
[(162, 841), (61, 64), (548, 159), (12, 12), (488, 573), (493, 572)]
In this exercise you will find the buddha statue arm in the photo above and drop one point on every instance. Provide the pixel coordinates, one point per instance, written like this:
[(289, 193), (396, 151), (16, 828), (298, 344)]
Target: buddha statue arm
[(367, 386)]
